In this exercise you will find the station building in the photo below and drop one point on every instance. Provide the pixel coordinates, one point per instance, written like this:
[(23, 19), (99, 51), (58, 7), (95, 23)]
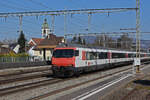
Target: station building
[(42, 48)]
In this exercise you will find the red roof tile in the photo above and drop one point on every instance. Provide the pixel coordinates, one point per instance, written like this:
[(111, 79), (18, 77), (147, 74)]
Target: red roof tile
[(36, 40), (51, 40)]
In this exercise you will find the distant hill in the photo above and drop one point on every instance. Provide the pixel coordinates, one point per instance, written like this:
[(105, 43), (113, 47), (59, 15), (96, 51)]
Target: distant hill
[(145, 44)]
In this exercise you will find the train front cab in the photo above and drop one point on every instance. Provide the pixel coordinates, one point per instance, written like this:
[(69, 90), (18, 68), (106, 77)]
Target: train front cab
[(63, 61)]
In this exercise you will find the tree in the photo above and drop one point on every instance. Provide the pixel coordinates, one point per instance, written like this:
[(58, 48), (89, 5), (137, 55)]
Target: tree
[(79, 40), (124, 42), (74, 39), (21, 42), (99, 41), (9, 41), (84, 42), (104, 41)]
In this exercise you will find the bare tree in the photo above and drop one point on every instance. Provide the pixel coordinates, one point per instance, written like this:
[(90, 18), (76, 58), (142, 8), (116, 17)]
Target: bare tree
[(8, 41), (104, 41), (124, 42)]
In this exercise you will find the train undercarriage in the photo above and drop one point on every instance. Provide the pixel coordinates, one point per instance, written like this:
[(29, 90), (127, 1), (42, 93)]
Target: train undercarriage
[(73, 71)]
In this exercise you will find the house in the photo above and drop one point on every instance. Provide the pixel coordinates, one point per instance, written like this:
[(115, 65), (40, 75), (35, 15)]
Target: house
[(32, 44), (43, 47), (14, 47), (4, 49), (46, 47)]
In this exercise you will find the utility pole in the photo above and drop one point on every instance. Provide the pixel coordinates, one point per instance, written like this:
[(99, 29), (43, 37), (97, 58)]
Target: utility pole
[(65, 29), (20, 24), (104, 40), (89, 23), (53, 24), (137, 61)]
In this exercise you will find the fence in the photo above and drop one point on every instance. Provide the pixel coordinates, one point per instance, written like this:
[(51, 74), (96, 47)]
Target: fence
[(18, 59)]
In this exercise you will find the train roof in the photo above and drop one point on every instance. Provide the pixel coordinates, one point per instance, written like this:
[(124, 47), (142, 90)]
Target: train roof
[(69, 45)]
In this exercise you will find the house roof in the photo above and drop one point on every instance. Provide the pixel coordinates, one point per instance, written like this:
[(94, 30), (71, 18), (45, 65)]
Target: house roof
[(35, 41), (1, 43), (13, 45), (51, 42), (48, 42)]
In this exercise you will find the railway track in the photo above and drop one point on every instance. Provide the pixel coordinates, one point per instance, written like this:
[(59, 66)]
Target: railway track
[(23, 70), (25, 87), (7, 80), (52, 81), (77, 85), (14, 89), (74, 86)]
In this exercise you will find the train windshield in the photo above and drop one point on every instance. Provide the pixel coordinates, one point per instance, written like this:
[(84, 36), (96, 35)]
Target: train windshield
[(63, 53)]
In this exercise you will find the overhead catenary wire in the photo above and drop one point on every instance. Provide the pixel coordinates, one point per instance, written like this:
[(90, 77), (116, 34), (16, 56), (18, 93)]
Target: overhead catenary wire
[(105, 33), (81, 24), (84, 21), (62, 12), (18, 4), (31, 24), (39, 13), (77, 3), (7, 5), (39, 3)]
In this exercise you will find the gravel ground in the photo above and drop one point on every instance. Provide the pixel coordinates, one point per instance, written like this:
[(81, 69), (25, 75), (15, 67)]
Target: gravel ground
[(22, 75), (138, 89), (24, 95), (16, 83), (23, 82), (12, 71)]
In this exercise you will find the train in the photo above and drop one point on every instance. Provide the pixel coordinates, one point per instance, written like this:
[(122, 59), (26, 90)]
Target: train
[(72, 61)]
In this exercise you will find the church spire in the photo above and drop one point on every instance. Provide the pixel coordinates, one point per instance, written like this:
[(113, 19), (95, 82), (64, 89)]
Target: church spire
[(45, 29)]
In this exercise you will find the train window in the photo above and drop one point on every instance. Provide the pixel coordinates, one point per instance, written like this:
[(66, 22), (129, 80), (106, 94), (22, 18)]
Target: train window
[(87, 56), (118, 55), (102, 55), (134, 55), (142, 55), (91, 55), (76, 52), (115, 55), (63, 53), (122, 55), (130, 55), (94, 55)]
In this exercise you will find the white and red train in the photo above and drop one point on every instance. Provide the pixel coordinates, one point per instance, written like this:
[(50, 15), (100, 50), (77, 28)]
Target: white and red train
[(68, 61)]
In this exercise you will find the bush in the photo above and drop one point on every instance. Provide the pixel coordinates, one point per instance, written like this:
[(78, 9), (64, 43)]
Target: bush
[(12, 54)]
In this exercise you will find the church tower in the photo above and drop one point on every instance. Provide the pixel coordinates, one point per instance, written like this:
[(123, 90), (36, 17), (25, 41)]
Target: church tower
[(45, 29)]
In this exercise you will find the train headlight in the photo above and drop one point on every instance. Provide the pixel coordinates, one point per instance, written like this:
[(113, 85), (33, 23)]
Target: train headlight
[(71, 65), (54, 65)]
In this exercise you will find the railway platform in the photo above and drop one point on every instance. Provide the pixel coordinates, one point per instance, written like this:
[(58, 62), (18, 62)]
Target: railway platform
[(22, 70)]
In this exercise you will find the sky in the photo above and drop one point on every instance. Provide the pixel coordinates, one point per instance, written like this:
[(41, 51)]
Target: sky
[(77, 23)]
